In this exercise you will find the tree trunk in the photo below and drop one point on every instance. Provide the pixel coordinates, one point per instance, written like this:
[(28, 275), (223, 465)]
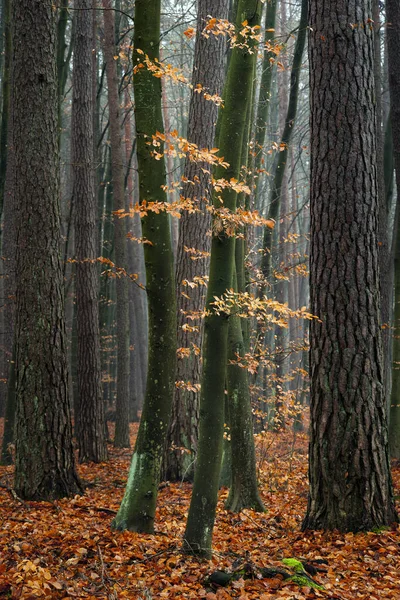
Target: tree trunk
[(208, 71), (89, 418), (393, 46), (244, 490), (137, 509), (44, 466), (118, 178), (5, 97), (281, 159), (349, 471), (199, 527)]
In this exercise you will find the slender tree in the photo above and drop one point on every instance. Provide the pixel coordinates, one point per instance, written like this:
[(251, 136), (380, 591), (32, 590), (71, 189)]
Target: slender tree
[(89, 419), (137, 509), (199, 527), (208, 71), (44, 464), (282, 157), (117, 166), (349, 471), (393, 47)]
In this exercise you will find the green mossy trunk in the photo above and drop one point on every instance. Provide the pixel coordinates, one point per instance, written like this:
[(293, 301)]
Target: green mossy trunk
[(280, 163), (199, 528), (244, 489), (137, 509)]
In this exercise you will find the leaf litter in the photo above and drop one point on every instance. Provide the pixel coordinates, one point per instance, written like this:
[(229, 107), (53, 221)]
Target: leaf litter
[(66, 549)]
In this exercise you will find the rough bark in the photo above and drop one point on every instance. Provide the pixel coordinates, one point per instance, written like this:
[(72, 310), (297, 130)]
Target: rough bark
[(44, 465), (5, 96), (208, 71), (8, 254), (118, 180), (137, 509), (89, 418), (349, 471), (199, 527)]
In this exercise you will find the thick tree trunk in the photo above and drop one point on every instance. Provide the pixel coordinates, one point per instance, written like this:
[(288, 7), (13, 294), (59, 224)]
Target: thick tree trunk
[(393, 46), (199, 527), (89, 417), (44, 466), (137, 509), (208, 71), (118, 178), (349, 471)]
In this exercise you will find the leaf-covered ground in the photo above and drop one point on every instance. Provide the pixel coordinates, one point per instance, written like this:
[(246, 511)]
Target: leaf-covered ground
[(66, 549)]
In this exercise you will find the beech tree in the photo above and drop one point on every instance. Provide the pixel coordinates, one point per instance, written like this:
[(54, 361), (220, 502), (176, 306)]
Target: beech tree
[(137, 509), (199, 527), (349, 471), (44, 460)]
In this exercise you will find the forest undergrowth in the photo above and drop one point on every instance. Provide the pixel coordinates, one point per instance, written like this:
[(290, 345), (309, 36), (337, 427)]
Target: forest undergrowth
[(67, 549)]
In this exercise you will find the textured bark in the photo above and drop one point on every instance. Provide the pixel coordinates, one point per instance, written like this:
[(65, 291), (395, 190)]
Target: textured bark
[(8, 254), (89, 418), (117, 166), (5, 96), (393, 46), (137, 509), (199, 527), (208, 70), (44, 464), (350, 483)]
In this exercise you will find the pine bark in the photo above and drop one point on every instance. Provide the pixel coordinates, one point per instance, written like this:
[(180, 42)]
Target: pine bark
[(349, 471), (137, 509), (208, 71), (44, 465), (199, 527), (89, 418), (118, 180)]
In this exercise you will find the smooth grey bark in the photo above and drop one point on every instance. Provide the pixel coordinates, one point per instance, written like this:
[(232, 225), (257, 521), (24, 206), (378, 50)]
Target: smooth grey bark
[(349, 470)]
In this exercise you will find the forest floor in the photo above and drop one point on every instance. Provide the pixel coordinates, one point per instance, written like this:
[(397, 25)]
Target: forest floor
[(66, 549)]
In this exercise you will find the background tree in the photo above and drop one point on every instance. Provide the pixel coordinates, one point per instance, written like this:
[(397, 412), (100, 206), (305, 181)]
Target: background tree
[(350, 483), (208, 72), (118, 190), (44, 463), (89, 418)]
